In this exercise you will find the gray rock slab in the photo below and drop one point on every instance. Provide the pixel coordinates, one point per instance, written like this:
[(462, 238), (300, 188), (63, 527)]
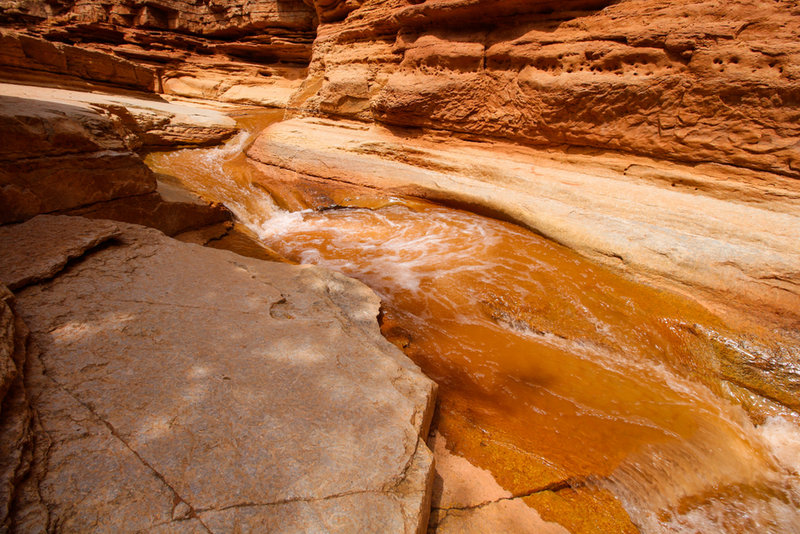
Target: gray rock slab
[(181, 384), (39, 248)]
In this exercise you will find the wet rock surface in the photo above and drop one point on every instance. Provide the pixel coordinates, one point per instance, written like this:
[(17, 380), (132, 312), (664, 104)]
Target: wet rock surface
[(603, 85), (177, 387), (467, 498), (682, 226)]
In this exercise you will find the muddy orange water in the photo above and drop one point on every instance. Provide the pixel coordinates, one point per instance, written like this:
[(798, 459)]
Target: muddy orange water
[(554, 373)]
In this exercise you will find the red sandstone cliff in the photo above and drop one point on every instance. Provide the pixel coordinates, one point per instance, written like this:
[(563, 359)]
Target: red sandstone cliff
[(254, 53), (681, 80)]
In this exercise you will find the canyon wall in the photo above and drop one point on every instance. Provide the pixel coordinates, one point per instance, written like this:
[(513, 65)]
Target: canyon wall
[(254, 52), (712, 87), (683, 80), (694, 81), (658, 137)]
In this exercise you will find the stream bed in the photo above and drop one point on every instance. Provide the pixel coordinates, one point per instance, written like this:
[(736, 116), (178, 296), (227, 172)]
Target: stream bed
[(586, 394)]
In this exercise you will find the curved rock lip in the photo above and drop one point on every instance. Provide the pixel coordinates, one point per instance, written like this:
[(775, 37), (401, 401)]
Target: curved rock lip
[(63, 149), (179, 387), (717, 232)]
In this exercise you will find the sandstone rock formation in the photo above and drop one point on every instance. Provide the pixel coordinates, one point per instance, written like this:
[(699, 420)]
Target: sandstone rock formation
[(24, 55), (142, 121), (283, 410), (253, 53), (57, 156), (632, 76), (682, 80), (72, 151), (659, 137), (16, 418)]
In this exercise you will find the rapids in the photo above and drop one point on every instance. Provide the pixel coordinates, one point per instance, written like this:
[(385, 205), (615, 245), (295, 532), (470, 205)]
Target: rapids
[(558, 376)]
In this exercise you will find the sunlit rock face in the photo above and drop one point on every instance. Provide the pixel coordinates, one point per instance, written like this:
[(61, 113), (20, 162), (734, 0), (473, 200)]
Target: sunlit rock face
[(683, 80), (680, 80), (657, 137), (69, 150), (253, 53)]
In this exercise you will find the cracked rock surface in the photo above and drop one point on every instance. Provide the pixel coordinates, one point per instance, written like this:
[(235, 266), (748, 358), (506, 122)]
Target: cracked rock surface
[(468, 499), (23, 265), (167, 397)]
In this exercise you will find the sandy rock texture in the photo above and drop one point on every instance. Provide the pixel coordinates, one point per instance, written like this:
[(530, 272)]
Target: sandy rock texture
[(16, 417), (180, 388), (71, 150), (255, 52), (142, 120), (21, 265), (686, 80), (719, 233)]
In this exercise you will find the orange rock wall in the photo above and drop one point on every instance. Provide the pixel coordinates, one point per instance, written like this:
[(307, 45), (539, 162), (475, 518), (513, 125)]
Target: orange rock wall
[(684, 80), (165, 39), (28, 56), (687, 80)]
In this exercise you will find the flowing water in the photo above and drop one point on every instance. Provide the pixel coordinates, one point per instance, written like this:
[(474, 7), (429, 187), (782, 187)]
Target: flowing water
[(554, 373)]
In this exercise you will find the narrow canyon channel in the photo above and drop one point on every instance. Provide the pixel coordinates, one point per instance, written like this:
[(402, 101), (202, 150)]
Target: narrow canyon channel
[(589, 396)]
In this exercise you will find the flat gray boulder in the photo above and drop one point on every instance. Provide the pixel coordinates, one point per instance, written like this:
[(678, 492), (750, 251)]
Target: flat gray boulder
[(181, 388)]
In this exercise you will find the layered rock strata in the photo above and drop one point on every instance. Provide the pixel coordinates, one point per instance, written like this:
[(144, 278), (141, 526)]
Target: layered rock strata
[(69, 151), (256, 53), (674, 154), (30, 56), (680, 80), (284, 410), (686, 80)]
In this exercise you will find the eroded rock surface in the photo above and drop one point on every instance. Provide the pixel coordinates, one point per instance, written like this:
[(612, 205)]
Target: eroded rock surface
[(22, 262), (181, 388), (26, 55), (57, 155), (68, 150), (680, 80), (254, 53), (141, 120), (16, 417)]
